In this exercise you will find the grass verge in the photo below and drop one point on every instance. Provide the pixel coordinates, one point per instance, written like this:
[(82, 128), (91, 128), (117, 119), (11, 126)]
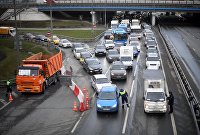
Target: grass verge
[(11, 58)]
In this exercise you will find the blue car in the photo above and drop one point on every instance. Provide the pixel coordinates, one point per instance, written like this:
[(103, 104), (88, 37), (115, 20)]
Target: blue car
[(107, 100)]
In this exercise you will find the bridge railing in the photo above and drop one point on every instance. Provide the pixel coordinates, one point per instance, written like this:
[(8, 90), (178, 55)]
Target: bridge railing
[(60, 2)]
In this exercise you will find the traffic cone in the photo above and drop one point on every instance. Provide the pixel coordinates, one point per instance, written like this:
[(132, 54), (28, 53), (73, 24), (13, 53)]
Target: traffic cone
[(75, 107), (10, 97), (87, 105), (84, 90), (87, 97), (82, 107)]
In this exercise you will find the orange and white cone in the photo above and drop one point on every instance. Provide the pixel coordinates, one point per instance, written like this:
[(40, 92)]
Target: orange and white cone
[(84, 90), (82, 107), (87, 105), (75, 107), (87, 97), (10, 97)]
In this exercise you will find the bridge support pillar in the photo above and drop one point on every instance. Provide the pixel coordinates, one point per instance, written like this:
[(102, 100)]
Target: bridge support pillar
[(93, 17), (153, 18)]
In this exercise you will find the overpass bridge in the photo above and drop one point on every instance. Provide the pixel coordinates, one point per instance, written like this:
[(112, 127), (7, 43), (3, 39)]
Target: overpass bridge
[(108, 5)]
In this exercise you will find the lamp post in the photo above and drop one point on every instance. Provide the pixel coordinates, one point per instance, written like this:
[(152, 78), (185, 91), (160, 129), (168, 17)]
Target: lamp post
[(16, 37)]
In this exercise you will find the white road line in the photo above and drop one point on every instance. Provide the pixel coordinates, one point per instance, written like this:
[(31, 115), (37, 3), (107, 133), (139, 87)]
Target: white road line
[(4, 106), (93, 95), (173, 123), (131, 93), (125, 121), (107, 70), (75, 126)]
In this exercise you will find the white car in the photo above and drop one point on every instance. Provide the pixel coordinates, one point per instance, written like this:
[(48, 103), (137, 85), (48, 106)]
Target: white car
[(153, 63), (77, 52), (98, 81), (65, 43), (109, 44), (137, 44)]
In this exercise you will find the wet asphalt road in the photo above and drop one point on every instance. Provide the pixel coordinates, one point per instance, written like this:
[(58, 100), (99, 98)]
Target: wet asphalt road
[(52, 112)]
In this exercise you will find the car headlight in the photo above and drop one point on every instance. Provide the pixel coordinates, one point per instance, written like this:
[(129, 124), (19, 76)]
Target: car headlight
[(112, 73), (115, 105), (98, 105), (125, 73)]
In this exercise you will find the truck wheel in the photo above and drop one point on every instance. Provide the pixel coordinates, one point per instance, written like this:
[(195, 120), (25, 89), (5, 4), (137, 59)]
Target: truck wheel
[(55, 80), (43, 88)]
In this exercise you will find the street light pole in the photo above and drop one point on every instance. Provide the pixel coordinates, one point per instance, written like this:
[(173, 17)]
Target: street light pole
[(51, 23), (16, 39)]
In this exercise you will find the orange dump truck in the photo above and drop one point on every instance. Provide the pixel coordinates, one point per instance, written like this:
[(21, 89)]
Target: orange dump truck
[(38, 71)]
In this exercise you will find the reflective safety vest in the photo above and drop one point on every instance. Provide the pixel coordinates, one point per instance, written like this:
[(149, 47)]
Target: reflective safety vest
[(8, 82), (122, 93)]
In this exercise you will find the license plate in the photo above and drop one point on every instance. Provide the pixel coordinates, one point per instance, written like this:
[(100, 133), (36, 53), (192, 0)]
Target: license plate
[(27, 90), (106, 109)]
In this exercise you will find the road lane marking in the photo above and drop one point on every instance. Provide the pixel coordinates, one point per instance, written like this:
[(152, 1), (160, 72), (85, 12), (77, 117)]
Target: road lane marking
[(107, 70), (173, 124), (4, 106), (125, 121), (131, 93), (75, 126)]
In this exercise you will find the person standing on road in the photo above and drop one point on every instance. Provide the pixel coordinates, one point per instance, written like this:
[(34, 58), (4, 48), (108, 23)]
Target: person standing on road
[(9, 88), (170, 102), (124, 96)]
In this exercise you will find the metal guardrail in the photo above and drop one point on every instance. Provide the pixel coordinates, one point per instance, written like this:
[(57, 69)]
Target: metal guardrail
[(189, 94)]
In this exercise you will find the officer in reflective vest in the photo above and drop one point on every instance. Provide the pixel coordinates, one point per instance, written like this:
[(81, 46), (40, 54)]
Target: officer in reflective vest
[(124, 96), (9, 88)]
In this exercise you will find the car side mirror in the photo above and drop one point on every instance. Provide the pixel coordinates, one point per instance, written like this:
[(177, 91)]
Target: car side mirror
[(143, 98)]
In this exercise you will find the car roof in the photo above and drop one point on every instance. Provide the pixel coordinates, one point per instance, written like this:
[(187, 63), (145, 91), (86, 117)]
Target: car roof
[(89, 59), (108, 88), (100, 76)]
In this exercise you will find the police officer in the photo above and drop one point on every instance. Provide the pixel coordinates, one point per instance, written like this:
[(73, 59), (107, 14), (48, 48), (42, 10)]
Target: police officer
[(170, 102), (9, 88), (124, 96)]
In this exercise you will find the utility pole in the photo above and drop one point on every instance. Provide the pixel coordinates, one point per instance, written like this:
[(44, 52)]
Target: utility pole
[(16, 39)]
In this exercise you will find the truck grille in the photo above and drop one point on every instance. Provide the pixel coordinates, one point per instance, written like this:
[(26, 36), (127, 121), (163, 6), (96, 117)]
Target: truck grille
[(27, 83)]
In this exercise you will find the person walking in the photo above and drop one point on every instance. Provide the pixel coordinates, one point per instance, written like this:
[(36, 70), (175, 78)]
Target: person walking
[(170, 102), (124, 96), (9, 88)]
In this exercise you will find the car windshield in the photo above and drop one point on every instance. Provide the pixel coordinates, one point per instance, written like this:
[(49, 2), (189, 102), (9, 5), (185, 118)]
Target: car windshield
[(80, 50), (125, 58), (65, 41), (152, 59), (109, 42), (113, 52), (86, 55), (100, 47), (134, 44), (151, 42), (93, 62), (155, 96), (150, 35), (119, 44), (151, 50), (102, 80), (28, 72), (118, 67), (107, 95), (76, 45)]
